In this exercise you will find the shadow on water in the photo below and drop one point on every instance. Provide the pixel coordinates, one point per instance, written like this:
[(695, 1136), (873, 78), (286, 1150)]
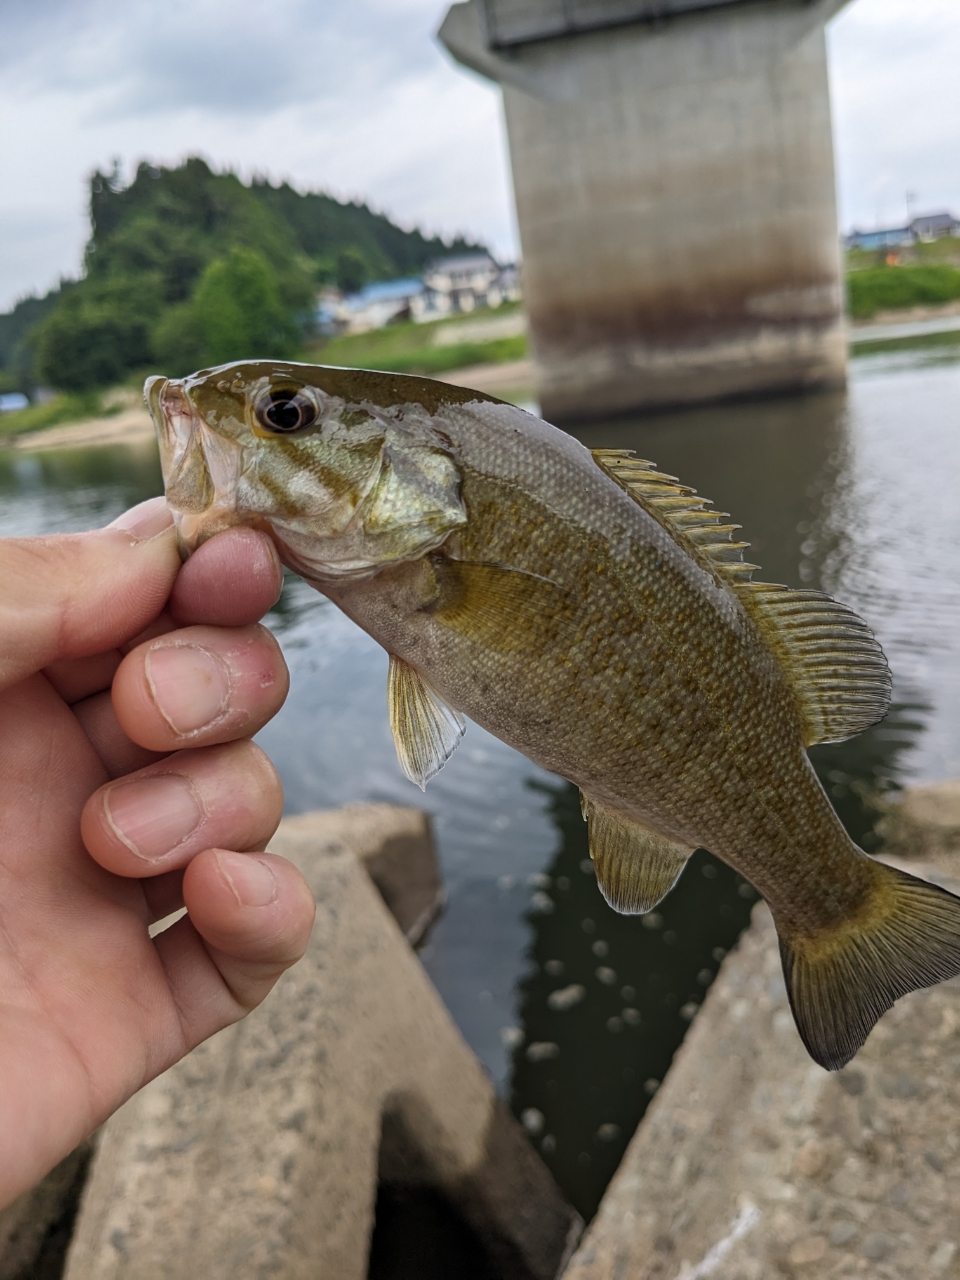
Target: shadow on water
[(607, 999)]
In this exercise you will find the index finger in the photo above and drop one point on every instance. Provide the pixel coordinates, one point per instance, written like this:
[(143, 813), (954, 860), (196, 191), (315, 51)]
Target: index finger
[(74, 595), (230, 581)]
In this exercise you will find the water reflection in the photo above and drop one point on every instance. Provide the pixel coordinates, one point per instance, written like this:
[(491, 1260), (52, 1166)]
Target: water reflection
[(606, 1000), (854, 493), (68, 490)]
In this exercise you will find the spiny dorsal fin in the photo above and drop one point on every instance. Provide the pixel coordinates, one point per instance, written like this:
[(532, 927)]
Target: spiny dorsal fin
[(636, 867), (834, 664), (682, 512), (426, 732)]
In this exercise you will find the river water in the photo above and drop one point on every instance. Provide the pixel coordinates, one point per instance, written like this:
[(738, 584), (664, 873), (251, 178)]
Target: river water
[(575, 1011)]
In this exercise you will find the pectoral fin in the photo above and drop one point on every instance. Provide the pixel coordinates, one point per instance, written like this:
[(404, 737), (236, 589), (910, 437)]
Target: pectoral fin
[(426, 732), (636, 867), (499, 607)]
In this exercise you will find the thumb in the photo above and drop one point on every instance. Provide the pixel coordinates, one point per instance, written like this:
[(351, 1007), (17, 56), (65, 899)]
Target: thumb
[(73, 595)]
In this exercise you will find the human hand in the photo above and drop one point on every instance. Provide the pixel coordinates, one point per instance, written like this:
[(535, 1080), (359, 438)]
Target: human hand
[(114, 810)]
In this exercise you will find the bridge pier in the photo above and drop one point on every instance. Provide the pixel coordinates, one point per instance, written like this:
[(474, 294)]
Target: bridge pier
[(675, 193)]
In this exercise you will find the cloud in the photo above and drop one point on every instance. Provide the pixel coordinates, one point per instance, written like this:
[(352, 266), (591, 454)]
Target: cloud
[(355, 97), (349, 96), (248, 57), (896, 108)]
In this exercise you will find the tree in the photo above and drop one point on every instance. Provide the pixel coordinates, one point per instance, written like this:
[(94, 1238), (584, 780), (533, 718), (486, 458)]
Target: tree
[(152, 243), (98, 334), (234, 313), (352, 270)]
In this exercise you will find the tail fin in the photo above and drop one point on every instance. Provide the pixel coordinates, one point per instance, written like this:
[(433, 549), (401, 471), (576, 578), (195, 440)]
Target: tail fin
[(840, 984)]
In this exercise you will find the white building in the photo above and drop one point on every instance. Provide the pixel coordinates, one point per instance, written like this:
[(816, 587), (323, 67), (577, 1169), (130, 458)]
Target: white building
[(464, 283), (373, 307), (449, 286)]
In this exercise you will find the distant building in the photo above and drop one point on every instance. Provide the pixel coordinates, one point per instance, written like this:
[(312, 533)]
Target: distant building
[(932, 226), (888, 238), (373, 307), (926, 227), (464, 283), (449, 286)]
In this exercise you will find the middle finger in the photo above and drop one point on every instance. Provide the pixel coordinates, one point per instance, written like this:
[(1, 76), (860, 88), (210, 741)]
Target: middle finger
[(198, 686)]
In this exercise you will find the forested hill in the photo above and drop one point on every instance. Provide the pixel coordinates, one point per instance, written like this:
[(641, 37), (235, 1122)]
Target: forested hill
[(185, 266)]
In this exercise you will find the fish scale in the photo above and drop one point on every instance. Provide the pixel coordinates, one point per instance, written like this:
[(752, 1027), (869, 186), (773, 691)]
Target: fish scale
[(598, 616)]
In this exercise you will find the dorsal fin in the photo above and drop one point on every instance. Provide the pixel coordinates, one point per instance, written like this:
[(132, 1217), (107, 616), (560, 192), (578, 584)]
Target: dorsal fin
[(834, 664), (682, 512)]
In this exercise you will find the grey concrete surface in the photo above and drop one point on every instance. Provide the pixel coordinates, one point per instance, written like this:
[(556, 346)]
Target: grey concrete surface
[(512, 22), (926, 824), (752, 1163), (258, 1155), (675, 196)]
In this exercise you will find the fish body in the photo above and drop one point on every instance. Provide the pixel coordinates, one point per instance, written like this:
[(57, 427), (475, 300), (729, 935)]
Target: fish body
[(597, 616)]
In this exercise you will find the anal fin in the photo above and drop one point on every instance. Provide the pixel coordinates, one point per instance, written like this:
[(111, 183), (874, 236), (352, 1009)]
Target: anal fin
[(636, 867), (426, 732)]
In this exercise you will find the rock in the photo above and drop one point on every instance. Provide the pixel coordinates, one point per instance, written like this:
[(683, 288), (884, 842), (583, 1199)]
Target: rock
[(925, 823), (810, 1249), (259, 1155), (875, 1246), (753, 1162), (842, 1233)]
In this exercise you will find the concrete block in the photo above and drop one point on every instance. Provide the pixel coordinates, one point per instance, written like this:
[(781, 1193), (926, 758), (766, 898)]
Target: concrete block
[(259, 1155), (753, 1162), (925, 823)]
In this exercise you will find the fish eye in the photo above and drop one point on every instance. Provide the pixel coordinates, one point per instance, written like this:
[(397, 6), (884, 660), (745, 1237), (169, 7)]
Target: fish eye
[(286, 411)]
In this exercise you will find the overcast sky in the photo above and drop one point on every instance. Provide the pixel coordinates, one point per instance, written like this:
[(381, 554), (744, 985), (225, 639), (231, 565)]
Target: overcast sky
[(354, 97)]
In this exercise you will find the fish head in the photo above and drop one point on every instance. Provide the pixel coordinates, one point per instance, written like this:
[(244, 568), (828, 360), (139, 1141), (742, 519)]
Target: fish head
[(336, 465)]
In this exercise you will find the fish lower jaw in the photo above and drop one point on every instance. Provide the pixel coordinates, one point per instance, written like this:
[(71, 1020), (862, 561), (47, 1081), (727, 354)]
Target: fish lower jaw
[(193, 529)]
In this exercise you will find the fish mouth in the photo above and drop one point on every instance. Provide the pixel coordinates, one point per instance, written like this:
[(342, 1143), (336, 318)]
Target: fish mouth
[(173, 417), (195, 468), (152, 394)]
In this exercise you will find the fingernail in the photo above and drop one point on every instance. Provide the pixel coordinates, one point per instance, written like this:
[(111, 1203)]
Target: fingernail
[(190, 685), (145, 520), (153, 815), (252, 881)]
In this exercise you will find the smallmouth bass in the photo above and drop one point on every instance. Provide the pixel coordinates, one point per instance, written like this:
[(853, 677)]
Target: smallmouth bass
[(594, 614)]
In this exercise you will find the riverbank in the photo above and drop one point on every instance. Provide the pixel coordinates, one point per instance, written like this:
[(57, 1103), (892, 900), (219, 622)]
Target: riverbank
[(510, 380), (132, 427)]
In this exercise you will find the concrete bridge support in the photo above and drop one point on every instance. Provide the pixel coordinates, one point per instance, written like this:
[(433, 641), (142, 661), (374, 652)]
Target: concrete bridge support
[(675, 194)]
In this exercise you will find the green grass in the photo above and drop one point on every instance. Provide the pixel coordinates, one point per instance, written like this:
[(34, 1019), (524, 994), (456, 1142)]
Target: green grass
[(65, 407), (873, 289), (945, 250), (408, 348)]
